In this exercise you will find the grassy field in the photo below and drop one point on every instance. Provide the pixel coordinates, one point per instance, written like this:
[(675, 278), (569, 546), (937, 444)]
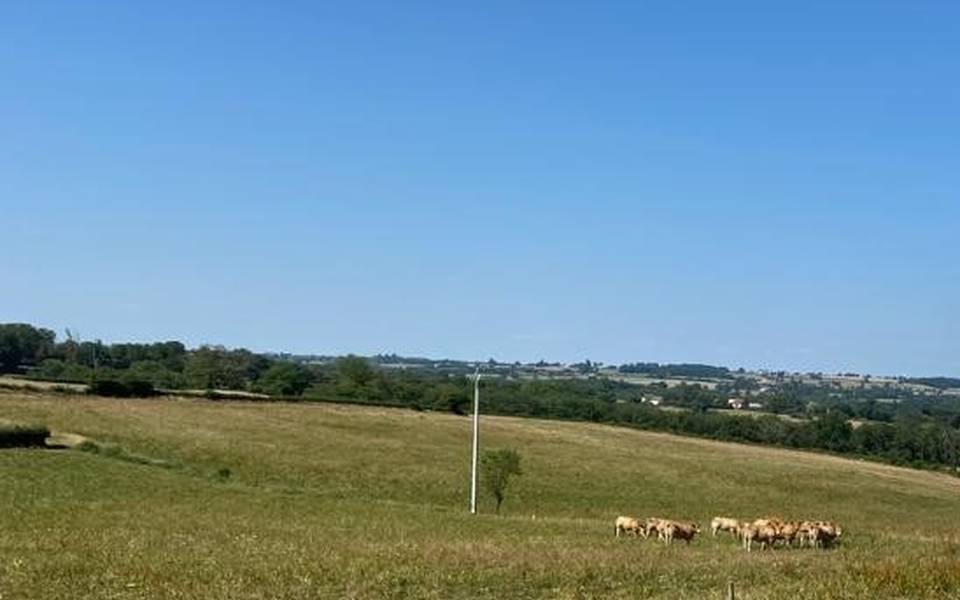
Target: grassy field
[(352, 502), (33, 384)]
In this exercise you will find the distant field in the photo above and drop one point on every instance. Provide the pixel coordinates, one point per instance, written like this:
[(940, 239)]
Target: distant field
[(353, 502), (762, 413), (667, 381), (21, 382)]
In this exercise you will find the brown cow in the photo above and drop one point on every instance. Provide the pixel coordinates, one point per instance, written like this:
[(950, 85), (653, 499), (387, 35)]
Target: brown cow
[(676, 530), (826, 533)]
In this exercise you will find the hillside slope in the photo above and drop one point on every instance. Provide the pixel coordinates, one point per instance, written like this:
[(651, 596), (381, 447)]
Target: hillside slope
[(339, 501)]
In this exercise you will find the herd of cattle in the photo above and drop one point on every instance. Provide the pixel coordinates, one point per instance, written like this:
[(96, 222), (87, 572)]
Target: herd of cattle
[(767, 532)]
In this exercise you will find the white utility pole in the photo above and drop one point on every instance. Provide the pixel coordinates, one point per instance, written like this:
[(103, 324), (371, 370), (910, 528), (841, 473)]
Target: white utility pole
[(476, 442)]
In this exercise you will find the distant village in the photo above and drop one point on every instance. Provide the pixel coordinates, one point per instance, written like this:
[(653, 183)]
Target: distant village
[(744, 388)]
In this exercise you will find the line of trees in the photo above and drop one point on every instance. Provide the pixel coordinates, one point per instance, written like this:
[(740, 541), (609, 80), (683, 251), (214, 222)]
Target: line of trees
[(120, 369), (937, 382), (22, 344), (918, 431)]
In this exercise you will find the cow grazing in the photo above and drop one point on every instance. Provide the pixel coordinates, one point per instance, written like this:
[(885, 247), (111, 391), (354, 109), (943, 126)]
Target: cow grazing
[(762, 533), (819, 534), (719, 524), (675, 530), (767, 532), (774, 522), (788, 532), (826, 533), (807, 533), (655, 525), (627, 525), (741, 527)]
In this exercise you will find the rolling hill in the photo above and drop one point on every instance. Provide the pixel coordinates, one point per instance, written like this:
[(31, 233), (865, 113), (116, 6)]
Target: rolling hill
[(189, 498)]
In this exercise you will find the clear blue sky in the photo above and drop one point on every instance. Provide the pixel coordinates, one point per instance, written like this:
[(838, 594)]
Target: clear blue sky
[(755, 184)]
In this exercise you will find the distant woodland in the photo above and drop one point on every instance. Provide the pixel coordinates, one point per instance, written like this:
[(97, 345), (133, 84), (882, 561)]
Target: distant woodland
[(914, 422)]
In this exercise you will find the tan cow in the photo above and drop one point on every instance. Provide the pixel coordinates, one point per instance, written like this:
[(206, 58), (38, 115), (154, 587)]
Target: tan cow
[(774, 522), (760, 532), (788, 532), (655, 525), (627, 525), (807, 533), (724, 524), (741, 527), (819, 534)]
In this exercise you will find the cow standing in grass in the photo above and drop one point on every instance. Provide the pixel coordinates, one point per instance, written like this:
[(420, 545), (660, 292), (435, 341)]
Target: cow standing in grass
[(760, 531), (719, 524), (826, 534), (627, 525), (806, 533), (655, 525), (819, 534), (676, 530), (788, 532)]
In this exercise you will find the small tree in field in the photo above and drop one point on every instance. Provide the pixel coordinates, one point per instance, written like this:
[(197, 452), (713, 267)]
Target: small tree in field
[(497, 467)]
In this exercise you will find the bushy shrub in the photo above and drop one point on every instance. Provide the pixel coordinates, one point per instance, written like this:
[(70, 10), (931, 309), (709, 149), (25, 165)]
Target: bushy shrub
[(23, 436), (497, 468), (55, 369), (140, 389), (122, 389)]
